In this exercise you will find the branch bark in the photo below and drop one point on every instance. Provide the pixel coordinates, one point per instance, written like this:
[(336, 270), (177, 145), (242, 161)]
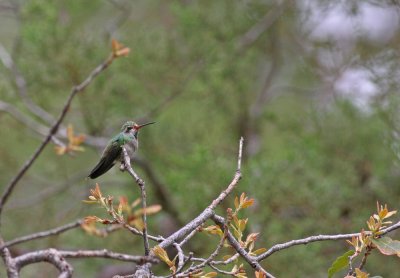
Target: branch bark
[(55, 231), (12, 271), (142, 187), (282, 246), (252, 261), (52, 256)]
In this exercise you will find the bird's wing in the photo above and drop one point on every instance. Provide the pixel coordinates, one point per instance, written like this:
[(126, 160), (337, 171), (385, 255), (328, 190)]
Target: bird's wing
[(107, 161)]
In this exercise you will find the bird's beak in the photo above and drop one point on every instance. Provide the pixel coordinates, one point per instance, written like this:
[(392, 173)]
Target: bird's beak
[(140, 126)]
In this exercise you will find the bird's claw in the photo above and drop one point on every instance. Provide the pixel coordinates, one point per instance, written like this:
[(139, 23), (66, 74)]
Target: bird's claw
[(122, 167)]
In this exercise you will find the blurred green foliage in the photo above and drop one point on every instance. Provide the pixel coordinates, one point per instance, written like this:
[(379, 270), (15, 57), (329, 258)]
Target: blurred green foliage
[(317, 168)]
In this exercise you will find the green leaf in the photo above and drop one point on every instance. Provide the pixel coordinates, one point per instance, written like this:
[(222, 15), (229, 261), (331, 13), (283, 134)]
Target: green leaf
[(387, 246), (340, 263)]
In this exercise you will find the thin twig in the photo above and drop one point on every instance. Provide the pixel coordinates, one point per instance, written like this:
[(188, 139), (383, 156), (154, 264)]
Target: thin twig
[(209, 211), (141, 184), (160, 190), (351, 258), (252, 261), (213, 254), (236, 178), (364, 259), (137, 232), (188, 237), (228, 261), (12, 270), (181, 257), (51, 255), (281, 246), (232, 273), (43, 130), (21, 85), (107, 255), (75, 90), (55, 231), (56, 257)]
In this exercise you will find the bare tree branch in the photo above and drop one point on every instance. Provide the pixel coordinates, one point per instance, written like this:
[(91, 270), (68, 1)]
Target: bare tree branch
[(107, 255), (364, 259), (53, 130), (52, 232), (213, 254), (236, 178), (281, 246), (44, 130), (51, 255), (20, 83), (57, 258), (209, 211), (181, 257), (160, 190), (28, 121), (252, 261), (12, 270), (141, 184), (188, 237), (137, 232)]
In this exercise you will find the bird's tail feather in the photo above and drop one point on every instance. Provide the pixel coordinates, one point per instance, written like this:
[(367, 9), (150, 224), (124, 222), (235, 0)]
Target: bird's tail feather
[(100, 168)]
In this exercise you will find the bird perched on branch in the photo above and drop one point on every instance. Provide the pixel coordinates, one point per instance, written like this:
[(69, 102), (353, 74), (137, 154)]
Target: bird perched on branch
[(128, 138)]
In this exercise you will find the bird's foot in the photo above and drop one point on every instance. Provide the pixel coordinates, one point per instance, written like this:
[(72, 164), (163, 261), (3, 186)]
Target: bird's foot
[(122, 167)]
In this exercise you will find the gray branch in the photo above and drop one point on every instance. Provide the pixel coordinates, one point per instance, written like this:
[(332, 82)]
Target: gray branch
[(43, 234), (282, 246), (141, 184), (252, 261), (52, 256)]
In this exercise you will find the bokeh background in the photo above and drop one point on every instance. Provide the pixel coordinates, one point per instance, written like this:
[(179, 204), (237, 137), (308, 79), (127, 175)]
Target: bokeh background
[(312, 85)]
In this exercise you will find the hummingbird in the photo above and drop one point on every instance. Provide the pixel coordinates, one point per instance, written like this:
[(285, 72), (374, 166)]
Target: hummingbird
[(128, 138)]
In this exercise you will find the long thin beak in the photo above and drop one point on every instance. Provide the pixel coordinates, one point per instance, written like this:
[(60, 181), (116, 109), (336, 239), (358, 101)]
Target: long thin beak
[(140, 126)]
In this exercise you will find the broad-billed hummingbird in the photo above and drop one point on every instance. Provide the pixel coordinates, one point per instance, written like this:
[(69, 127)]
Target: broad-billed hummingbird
[(128, 138)]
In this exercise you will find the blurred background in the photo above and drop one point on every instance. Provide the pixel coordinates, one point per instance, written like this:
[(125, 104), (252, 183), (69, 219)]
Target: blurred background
[(311, 85)]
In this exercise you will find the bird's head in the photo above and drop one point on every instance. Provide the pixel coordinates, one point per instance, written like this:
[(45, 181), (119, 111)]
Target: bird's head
[(131, 126)]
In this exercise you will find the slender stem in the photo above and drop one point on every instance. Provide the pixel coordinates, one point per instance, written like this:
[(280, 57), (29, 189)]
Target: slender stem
[(12, 270), (137, 232), (32, 257), (53, 130), (209, 211), (188, 237), (144, 218), (281, 246), (252, 261), (364, 259), (43, 234), (142, 187), (213, 254), (181, 257)]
